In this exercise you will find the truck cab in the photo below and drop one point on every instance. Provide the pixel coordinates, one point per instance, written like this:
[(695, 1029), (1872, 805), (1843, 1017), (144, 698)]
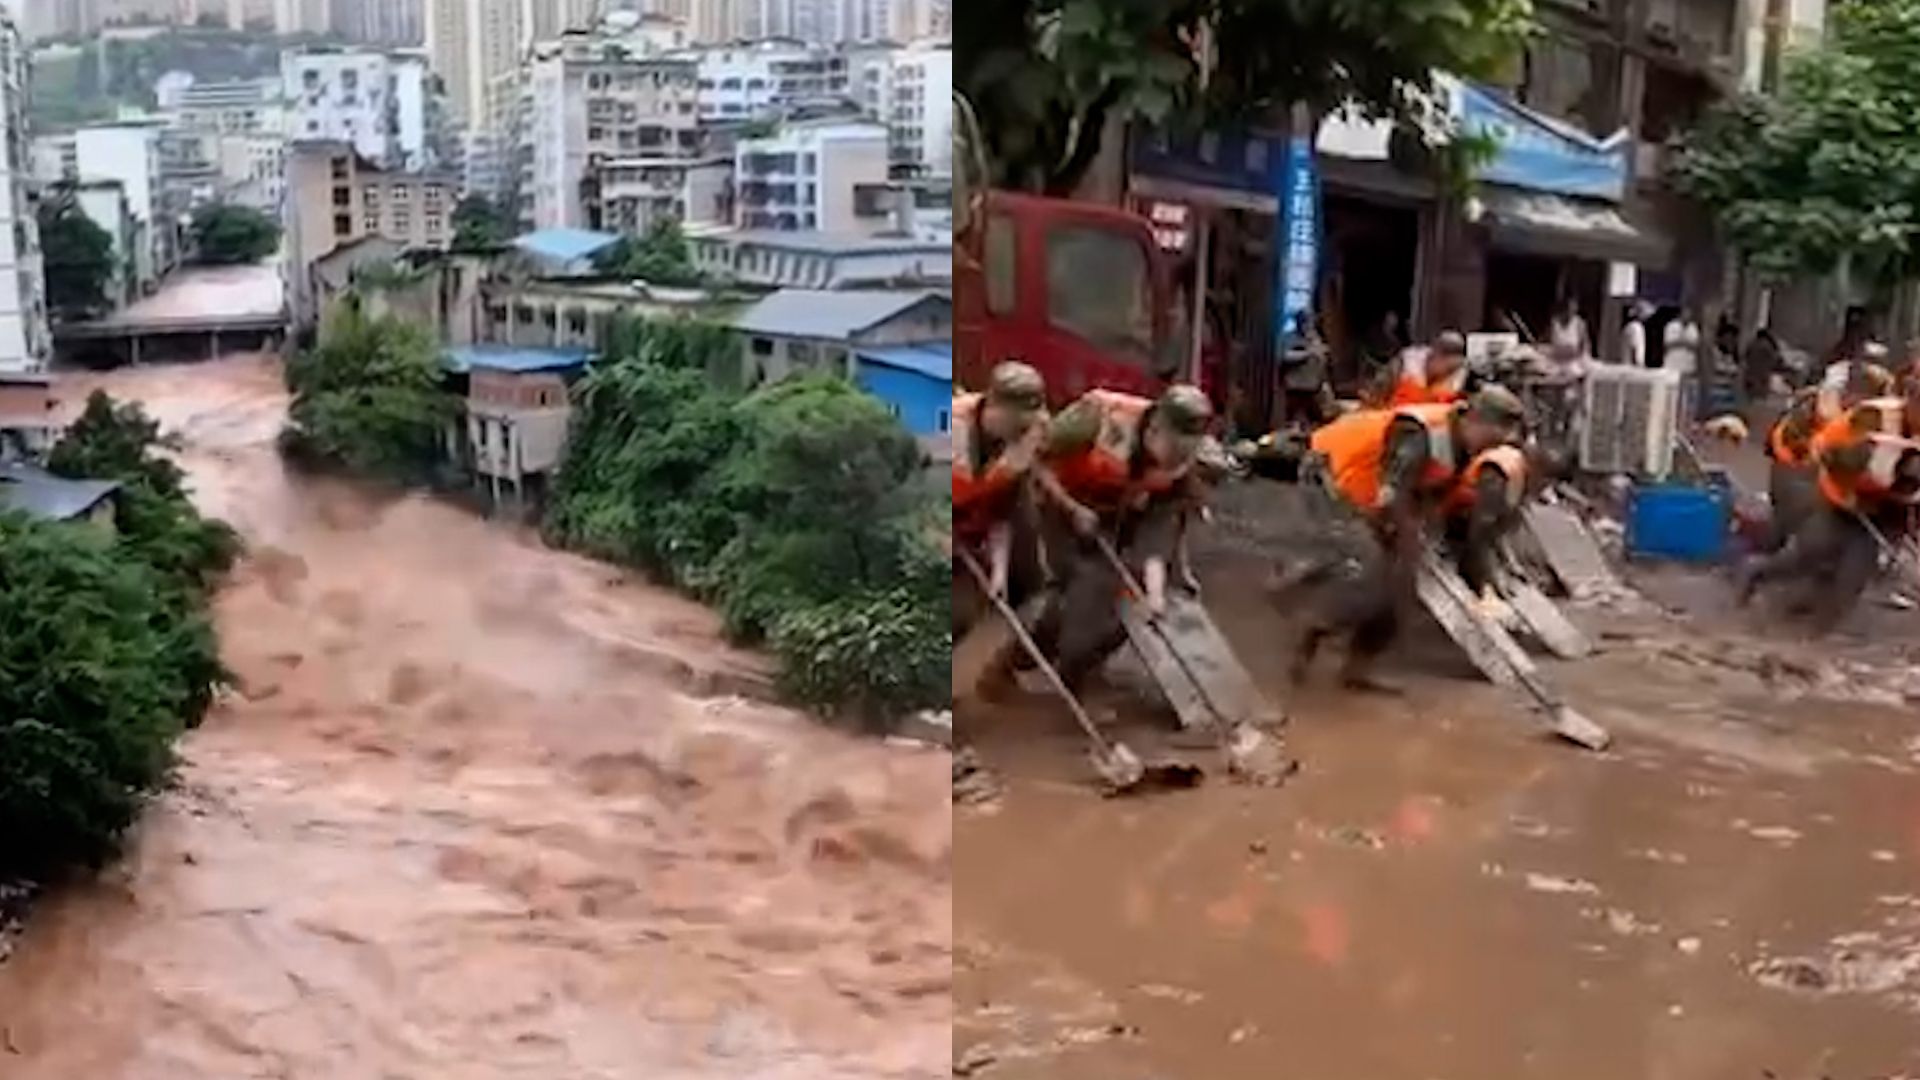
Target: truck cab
[(1079, 290)]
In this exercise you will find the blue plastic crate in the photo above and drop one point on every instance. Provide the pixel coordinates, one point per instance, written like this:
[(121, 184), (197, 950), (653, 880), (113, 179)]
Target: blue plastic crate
[(1675, 521)]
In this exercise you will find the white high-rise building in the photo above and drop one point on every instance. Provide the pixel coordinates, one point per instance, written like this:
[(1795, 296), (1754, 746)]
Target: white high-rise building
[(758, 79), (24, 341), (375, 101), (594, 99), (919, 110), (804, 177), (471, 43)]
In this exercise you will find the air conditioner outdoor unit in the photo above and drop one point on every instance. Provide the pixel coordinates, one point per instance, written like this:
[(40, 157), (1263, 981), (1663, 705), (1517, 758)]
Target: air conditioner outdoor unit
[(1632, 419)]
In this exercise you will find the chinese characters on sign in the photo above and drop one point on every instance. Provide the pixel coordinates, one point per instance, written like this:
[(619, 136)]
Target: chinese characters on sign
[(1298, 263)]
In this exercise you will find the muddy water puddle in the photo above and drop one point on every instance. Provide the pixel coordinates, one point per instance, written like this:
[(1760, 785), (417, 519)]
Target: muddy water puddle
[(1443, 893), (462, 818)]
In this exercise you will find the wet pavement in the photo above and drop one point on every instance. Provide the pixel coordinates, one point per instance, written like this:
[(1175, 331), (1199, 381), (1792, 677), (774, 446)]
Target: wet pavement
[(483, 810), (1732, 891)]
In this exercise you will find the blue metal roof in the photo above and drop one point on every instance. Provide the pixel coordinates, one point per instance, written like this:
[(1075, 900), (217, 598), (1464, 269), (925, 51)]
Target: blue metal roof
[(934, 359), (564, 245), (515, 358), (41, 494)]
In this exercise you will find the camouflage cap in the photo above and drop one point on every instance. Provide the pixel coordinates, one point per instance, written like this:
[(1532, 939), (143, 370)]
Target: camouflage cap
[(1450, 343), (1186, 409), (1498, 405), (1017, 385)]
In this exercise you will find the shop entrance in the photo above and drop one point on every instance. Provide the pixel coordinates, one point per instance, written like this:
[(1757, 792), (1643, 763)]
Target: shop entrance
[(1371, 254)]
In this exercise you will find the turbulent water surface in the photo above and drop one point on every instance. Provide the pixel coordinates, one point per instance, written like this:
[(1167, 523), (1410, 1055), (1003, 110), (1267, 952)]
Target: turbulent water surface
[(482, 810)]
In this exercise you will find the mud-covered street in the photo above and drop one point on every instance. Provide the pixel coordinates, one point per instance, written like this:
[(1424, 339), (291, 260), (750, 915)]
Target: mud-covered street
[(478, 809), (1732, 891)]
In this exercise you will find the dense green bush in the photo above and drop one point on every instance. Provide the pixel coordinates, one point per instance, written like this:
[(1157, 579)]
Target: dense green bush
[(799, 511), (367, 398), (106, 651)]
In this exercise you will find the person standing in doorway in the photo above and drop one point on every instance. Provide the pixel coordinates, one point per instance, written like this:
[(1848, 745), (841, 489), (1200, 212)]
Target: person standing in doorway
[(1567, 334), (1633, 340), (1680, 353)]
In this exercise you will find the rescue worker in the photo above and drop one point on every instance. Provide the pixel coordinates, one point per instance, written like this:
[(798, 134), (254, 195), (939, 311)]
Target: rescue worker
[(1848, 382), (1375, 475), (1867, 480), (996, 442), (1790, 471), (1433, 375), (1482, 508), (1123, 467)]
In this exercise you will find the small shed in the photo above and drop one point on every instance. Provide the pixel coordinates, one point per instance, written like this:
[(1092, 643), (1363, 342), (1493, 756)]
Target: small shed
[(562, 253), (40, 494), (799, 331), (916, 382), (515, 427)]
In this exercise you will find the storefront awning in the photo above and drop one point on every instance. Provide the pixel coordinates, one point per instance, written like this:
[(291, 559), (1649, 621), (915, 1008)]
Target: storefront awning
[(1535, 223)]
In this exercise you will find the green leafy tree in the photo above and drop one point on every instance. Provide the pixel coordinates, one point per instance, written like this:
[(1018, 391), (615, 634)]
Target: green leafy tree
[(660, 257), (155, 521), (77, 255), (1046, 76), (99, 671), (800, 511), (479, 226), (368, 398), (1825, 174), (225, 234)]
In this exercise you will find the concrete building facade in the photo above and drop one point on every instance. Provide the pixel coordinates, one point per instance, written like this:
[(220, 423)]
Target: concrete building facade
[(24, 341), (593, 101), (803, 177), (336, 198), (756, 80), (375, 100), (919, 110)]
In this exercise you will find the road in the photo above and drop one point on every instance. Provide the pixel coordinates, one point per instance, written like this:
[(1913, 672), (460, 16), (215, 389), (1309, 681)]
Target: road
[(1732, 892), (478, 811)]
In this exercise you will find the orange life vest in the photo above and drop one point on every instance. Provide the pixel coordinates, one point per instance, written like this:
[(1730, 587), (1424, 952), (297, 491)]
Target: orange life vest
[(1875, 483), (985, 495), (1512, 463), (1101, 476), (1355, 447), (1415, 386)]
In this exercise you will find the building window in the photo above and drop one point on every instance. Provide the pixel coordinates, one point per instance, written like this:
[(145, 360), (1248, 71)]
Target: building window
[(342, 197), (342, 225), (946, 420), (761, 346)]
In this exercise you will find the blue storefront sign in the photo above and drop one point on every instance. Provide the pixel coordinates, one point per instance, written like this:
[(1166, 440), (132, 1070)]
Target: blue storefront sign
[(1220, 162), (1298, 266), (1538, 153)]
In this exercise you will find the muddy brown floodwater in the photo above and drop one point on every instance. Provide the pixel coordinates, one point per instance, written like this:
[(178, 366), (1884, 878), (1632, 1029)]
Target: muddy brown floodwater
[(480, 810), (1731, 893)]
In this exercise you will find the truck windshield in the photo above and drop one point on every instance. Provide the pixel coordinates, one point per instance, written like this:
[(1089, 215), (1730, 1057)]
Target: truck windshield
[(1100, 288)]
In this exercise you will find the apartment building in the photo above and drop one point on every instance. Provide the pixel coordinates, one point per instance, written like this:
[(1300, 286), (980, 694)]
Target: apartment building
[(759, 79), (470, 44), (379, 22), (236, 107), (804, 176), (24, 341), (127, 154), (633, 194), (337, 198), (591, 101), (919, 110), (375, 100)]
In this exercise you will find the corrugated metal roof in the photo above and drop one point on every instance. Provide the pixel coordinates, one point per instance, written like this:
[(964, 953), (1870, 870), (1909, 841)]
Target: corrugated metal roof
[(514, 358), (564, 245), (934, 359), (52, 498), (835, 315)]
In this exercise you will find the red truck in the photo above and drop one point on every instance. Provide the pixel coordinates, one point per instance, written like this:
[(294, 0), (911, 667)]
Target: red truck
[(1079, 290)]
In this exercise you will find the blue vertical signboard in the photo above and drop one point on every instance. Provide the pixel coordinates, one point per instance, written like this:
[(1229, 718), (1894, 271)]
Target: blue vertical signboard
[(1297, 257)]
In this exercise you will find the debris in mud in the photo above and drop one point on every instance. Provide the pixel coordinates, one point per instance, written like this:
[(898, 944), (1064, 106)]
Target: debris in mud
[(1775, 834), (14, 898), (1856, 964), (975, 1060), (973, 783), (1547, 883), (1627, 924), (935, 728), (1354, 836), (1171, 993)]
